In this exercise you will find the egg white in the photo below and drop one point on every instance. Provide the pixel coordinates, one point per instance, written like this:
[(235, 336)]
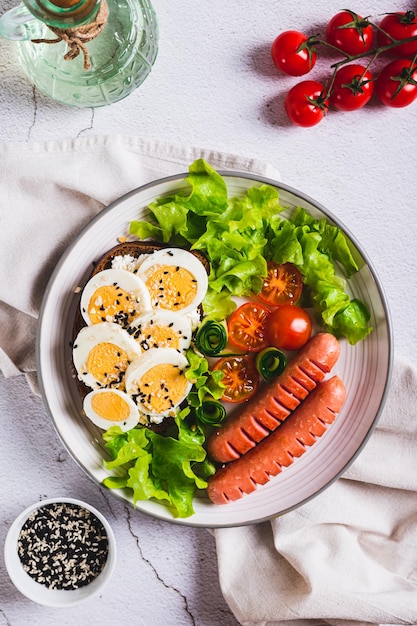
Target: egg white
[(142, 366), (129, 282), (163, 259), (89, 338), (106, 418), (146, 329)]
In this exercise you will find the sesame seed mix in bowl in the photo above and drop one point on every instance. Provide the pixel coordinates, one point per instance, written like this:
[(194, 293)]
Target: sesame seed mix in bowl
[(60, 552), (63, 546)]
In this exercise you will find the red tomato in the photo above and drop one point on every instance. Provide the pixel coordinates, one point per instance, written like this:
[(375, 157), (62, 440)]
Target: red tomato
[(306, 103), (349, 32), (282, 285), (240, 377), (246, 327), (292, 53), (288, 327), (399, 26), (352, 88), (394, 85)]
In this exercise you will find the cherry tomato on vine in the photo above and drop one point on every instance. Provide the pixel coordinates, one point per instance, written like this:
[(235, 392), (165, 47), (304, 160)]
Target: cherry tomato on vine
[(240, 377), (306, 103), (282, 284), (396, 85), (401, 25), (246, 327), (352, 88), (293, 53), (288, 327), (350, 32)]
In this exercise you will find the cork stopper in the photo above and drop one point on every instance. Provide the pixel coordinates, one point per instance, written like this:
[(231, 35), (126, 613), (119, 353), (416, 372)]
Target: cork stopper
[(65, 4), (67, 11)]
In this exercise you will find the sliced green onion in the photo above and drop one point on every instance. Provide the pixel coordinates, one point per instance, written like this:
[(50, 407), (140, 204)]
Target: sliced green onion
[(211, 338), (211, 412), (270, 363)]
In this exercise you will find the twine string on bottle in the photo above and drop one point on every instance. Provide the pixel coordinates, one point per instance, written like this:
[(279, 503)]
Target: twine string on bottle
[(76, 37)]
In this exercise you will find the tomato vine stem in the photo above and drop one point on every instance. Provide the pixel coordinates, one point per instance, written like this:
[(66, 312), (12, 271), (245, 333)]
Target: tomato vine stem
[(349, 58)]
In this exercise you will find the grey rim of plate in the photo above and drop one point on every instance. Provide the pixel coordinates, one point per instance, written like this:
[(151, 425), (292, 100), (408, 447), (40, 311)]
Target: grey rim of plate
[(365, 368)]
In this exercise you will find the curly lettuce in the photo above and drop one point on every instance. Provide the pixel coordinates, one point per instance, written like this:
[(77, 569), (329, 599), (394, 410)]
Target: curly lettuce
[(159, 467), (239, 235)]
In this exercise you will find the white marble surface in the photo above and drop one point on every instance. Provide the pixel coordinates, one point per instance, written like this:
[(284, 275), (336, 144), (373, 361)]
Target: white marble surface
[(213, 86)]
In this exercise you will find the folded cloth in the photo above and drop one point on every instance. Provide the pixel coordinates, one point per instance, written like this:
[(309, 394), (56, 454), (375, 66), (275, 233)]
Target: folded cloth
[(48, 192), (349, 556)]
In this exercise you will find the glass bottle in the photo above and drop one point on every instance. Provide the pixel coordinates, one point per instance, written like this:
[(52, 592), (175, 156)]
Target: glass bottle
[(84, 53)]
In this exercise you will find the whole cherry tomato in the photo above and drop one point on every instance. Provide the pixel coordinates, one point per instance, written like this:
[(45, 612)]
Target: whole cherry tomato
[(352, 88), (350, 32), (241, 378), (292, 53), (396, 85), (401, 25), (306, 103), (283, 284), (246, 327), (288, 327)]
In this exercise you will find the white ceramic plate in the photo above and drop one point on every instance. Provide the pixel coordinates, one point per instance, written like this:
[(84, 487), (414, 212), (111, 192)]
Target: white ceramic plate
[(364, 368)]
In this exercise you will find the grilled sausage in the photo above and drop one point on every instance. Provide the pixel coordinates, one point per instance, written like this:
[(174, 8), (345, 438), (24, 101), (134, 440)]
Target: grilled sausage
[(308, 422), (271, 406)]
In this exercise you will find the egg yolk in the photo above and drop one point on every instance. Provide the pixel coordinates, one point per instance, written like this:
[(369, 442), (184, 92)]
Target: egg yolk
[(157, 336), (107, 362), (110, 303), (162, 388), (110, 406), (171, 287)]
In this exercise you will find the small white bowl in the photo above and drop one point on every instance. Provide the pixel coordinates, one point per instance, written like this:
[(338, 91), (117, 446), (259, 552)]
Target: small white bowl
[(40, 593)]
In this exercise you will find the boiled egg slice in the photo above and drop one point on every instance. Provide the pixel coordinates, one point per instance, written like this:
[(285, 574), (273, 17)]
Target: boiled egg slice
[(114, 295), (102, 353), (111, 407), (175, 278), (156, 381), (161, 329)]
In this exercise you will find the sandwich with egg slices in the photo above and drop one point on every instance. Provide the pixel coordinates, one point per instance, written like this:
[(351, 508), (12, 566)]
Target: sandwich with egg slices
[(137, 314)]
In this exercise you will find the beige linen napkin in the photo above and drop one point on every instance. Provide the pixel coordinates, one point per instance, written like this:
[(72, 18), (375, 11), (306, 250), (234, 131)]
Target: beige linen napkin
[(347, 557), (48, 192)]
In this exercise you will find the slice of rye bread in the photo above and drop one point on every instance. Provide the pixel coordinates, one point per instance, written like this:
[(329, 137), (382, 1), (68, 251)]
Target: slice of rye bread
[(134, 249)]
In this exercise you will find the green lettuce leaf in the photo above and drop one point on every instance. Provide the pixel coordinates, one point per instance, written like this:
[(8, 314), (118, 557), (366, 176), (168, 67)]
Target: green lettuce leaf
[(239, 235), (156, 466)]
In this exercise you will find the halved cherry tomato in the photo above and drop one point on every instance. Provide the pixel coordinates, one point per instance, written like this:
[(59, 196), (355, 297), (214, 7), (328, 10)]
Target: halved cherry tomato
[(240, 377), (288, 327), (246, 327), (282, 285)]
